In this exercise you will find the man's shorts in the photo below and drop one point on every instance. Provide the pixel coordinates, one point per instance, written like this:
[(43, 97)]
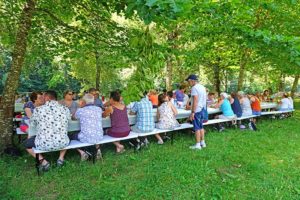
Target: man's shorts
[(29, 143), (198, 120)]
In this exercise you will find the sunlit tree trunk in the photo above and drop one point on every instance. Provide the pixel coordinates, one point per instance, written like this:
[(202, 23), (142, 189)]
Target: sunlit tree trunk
[(243, 63), (98, 69), (217, 81), (12, 82), (295, 85), (281, 84), (169, 74)]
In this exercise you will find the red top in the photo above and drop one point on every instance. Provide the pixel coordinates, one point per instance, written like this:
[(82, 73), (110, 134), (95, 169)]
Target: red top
[(153, 99), (256, 105)]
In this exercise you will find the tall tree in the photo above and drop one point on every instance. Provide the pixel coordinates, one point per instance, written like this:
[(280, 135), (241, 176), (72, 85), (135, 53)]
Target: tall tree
[(11, 86)]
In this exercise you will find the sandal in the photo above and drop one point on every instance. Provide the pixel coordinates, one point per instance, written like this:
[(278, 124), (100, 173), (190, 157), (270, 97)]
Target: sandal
[(44, 167), (60, 163)]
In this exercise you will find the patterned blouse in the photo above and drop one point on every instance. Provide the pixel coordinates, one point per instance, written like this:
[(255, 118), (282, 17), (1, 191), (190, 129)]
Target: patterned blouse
[(166, 119), (90, 118), (51, 124)]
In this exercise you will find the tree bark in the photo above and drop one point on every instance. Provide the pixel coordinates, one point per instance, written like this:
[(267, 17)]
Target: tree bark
[(12, 82), (169, 74), (295, 85), (98, 69), (243, 62), (281, 84), (217, 81)]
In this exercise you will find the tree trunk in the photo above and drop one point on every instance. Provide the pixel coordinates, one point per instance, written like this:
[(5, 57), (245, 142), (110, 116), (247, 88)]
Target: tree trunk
[(98, 69), (295, 85), (243, 62), (217, 81), (12, 82), (281, 85), (169, 74)]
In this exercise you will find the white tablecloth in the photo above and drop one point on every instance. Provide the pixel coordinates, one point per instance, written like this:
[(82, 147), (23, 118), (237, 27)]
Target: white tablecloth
[(74, 125)]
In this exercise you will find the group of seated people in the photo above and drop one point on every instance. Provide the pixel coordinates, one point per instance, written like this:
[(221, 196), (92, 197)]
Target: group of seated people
[(50, 117)]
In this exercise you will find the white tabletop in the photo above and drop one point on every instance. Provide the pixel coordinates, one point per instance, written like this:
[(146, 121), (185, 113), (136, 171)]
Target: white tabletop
[(74, 125)]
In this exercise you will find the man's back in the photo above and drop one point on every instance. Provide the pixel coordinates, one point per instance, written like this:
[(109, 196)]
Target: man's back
[(51, 123), (145, 120)]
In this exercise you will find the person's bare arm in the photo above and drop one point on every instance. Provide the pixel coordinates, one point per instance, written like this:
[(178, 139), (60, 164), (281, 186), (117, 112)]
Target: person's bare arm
[(107, 112), (175, 112), (28, 112), (219, 104), (157, 115)]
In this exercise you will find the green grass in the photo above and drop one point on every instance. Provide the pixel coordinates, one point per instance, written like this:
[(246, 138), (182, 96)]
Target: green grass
[(235, 165)]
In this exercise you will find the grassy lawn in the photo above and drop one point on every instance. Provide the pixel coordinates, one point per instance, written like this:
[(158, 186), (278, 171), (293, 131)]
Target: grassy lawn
[(235, 165)]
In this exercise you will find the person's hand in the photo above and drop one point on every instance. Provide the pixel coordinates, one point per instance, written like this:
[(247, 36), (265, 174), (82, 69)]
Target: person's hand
[(192, 116)]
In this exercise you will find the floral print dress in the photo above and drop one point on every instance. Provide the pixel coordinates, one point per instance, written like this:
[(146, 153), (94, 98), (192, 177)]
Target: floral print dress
[(166, 119)]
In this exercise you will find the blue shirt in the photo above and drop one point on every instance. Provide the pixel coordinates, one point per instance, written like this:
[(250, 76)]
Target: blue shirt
[(144, 118), (179, 95), (226, 108), (98, 103)]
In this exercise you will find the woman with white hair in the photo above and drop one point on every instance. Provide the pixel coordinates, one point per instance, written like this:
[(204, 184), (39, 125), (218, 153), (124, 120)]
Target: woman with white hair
[(90, 117), (245, 104), (225, 107)]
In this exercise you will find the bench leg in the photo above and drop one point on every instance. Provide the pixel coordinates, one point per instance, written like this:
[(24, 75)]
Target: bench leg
[(94, 153), (37, 163)]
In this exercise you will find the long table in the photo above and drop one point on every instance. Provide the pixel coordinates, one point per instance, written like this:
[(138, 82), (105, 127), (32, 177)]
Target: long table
[(74, 125)]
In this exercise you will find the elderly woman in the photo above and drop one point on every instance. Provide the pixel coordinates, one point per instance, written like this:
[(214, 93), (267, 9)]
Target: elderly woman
[(119, 119), (69, 102), (90, 117), (225, 107)]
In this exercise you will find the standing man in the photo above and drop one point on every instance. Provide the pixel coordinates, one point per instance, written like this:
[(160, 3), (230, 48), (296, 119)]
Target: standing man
[(198, 94)]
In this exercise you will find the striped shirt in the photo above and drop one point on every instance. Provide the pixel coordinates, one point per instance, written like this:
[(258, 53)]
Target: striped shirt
[(144, 118)]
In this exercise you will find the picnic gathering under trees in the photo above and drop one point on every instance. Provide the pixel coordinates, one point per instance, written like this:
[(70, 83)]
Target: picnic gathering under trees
[(85, 74)]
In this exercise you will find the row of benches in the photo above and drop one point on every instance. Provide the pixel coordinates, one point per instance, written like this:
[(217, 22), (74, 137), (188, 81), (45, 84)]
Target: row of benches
[(74, 144)]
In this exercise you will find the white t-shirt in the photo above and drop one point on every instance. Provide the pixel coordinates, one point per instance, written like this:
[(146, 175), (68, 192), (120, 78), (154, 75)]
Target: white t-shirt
[(285, 102), (199, 90), (291, 105)]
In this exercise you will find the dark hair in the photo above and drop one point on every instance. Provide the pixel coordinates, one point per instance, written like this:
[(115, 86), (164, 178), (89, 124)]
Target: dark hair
[(67, 92), (93, 90), (161, 99), (181, 87), (170, 94), (164, 90), (51, 94), (286, 95), (211, 93), (234, 95), (115, 95), (34, 95)]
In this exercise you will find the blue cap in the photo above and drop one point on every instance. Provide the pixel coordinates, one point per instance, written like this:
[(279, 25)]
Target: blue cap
[(192, 77)]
